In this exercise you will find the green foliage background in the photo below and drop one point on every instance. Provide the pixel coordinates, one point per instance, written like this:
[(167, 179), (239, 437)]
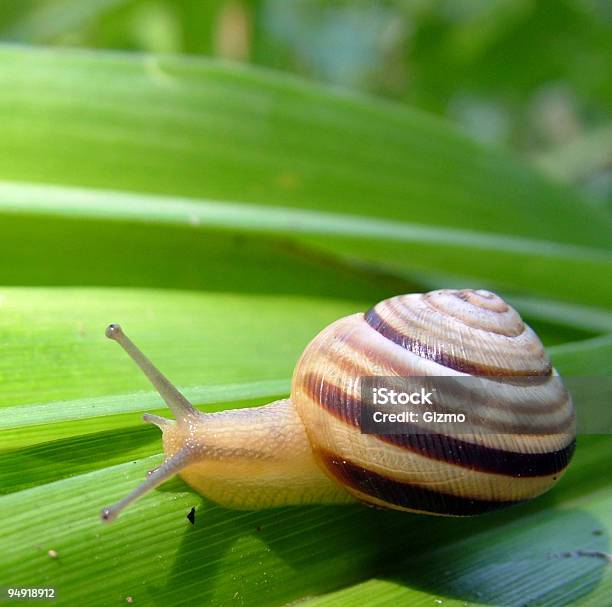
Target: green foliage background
[(155, 172)]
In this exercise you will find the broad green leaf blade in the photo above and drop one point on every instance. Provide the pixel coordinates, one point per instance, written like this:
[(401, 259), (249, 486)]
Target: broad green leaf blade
[(258, 558), (89, 408), (541, 559), (590, 357), (272, 557), (63, 252), (388, 243), (214, 132), (566, 272)]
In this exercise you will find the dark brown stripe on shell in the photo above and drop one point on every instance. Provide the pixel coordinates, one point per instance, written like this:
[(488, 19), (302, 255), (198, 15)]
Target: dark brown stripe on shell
[(438, 355), (440, 446), (406, 495)]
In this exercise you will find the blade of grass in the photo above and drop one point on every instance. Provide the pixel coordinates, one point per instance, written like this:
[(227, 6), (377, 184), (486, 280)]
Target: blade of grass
[(209, 131), (375, 240), (542, 559), (268, 557), (263, 558), (54, 251)]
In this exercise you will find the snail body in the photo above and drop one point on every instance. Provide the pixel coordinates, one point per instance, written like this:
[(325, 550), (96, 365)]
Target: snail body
[(310, 449)]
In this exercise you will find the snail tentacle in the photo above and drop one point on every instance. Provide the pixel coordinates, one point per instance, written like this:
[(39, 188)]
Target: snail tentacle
[(167, 470), (177, 403)]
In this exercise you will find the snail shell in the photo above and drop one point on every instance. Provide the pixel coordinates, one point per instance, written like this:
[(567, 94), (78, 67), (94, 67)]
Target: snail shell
[(441, 333)]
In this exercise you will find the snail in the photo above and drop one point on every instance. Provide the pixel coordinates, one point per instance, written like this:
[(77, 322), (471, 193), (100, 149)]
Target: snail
[(309, 448)]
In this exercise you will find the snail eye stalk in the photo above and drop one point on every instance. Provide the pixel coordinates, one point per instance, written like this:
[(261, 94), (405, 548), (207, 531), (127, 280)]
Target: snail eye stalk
[(177, 403)]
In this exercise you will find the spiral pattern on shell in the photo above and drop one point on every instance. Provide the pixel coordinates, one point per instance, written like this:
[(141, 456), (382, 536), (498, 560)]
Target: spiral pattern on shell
[(441, 333)]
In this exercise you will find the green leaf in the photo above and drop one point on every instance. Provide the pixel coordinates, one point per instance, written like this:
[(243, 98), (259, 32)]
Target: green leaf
[(591, 358), (80, 459), (541, 559), (271, 557), (260, 155)]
